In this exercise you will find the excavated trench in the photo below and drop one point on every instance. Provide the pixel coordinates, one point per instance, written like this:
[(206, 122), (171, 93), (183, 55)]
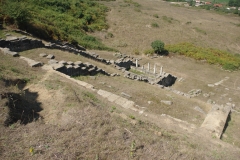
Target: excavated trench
[(167, 81)]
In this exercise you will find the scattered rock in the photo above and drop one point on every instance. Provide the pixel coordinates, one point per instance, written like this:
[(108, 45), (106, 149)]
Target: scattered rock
[(92, 77), (70, 63), (149, 102), (62, 62), (210, 85), (195, 92), (113, 74), (167, 102), (50, 56), (197, 108), (126, 95), (206, 95), (43, 55), (52, 61), (210, 101)]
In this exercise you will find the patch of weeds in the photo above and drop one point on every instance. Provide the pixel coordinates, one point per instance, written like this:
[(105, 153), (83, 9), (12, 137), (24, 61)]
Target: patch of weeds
[(109, 35), (167, 19), (140, 122), (216, 155), (1, 34), (124, 5), (137, 9), (167, 135), (149, 52), (238, 25), (132, 117), (12, 126), (69, 104), (189, 22), (82, 78), (156, 16), (200, 30), (135, 71), (133, 149), (214, 136), (2, 68), (15, 70), (122, 44), (90, 96), (113, 109), (136, 52), (193, 146), (154, 25), (31, 150)]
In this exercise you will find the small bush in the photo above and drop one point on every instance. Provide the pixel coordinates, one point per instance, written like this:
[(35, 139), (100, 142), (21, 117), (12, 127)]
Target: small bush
[(109, 35), (137, 9), (136, 52), (155, 25), (167, 19), (230, 66), (158, 46), (200, 31), (156, 16)]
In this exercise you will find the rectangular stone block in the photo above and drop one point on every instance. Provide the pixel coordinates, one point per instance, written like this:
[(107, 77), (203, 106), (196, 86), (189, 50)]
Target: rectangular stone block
[(103, 93), (113, 97)]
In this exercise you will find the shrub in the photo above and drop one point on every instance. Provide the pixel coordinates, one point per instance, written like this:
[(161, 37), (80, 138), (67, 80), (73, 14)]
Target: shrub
[(155, 25), (158, 46), (156, 16), (136, 52)]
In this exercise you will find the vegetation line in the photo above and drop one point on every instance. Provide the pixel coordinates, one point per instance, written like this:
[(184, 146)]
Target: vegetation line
[(213, 56), (57, 19)]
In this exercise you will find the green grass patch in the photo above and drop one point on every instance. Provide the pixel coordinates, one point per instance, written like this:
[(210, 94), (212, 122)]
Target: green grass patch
[(135, 71), (213, 56), (149, 52), (1, 34), (156, 16), (167, 19), (154, 25)]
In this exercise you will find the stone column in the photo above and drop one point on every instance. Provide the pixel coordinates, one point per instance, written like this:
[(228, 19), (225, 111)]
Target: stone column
[(161, 70), (154, 69), (136, 63)]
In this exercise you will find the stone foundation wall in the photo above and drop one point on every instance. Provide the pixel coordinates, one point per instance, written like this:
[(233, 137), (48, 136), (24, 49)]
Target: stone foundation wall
[(18, 44)]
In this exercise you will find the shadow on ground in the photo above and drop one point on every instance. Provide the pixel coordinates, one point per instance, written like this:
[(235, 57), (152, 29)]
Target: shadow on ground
[(21, 106)]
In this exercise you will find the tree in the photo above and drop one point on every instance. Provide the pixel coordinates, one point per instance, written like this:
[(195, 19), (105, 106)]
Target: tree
[(158, 46)]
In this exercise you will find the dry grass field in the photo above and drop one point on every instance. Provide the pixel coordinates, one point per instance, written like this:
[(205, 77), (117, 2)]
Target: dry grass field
[(75, 123), (132, 26)]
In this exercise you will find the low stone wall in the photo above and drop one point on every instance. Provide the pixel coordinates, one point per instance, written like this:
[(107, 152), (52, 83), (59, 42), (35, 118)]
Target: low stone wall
[(18, 44), (125, 63), (8, 52), (74, 68)]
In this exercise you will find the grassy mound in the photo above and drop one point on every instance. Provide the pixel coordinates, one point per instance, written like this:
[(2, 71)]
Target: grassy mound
[(58, 19), (213, 56)]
